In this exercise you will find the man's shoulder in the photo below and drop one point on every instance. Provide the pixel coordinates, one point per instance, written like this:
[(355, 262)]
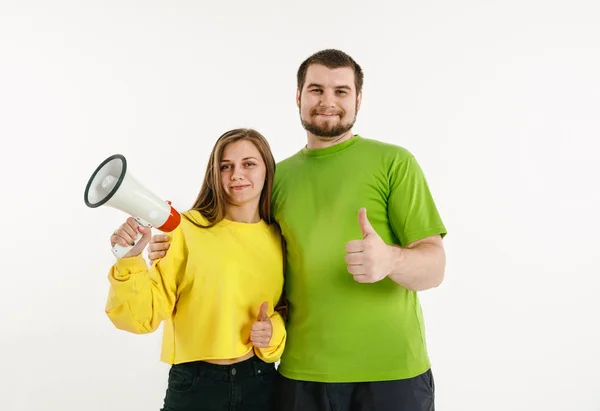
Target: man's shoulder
[(390, 151), (287, 164), (290, 159)]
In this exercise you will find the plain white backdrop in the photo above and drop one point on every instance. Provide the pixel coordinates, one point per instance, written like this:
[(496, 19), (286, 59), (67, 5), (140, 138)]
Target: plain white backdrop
[(498, 100)]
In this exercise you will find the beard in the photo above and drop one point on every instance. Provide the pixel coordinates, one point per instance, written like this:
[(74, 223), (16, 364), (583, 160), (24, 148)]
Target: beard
[(327, 132)]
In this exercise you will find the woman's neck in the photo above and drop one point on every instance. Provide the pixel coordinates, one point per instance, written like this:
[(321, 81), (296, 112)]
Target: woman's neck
[(248, 213)]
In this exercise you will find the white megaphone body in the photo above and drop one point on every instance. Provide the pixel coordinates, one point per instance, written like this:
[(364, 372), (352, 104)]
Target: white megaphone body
[(113, 185)]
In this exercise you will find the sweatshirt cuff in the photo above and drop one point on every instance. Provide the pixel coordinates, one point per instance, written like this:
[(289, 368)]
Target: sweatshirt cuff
[(125, 267), (278, 330), (273, 352)]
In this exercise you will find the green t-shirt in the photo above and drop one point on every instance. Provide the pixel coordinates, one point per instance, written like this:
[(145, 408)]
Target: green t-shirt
[(340, 330)]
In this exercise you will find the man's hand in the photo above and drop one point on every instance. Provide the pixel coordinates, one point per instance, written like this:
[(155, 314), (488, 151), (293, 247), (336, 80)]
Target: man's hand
[(262, 330), (370, 259)]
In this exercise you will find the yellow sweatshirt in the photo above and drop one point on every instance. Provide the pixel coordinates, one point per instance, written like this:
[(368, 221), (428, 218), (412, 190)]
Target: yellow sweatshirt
[(208, 290)]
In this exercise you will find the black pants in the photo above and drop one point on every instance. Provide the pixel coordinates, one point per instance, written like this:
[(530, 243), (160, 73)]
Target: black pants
[(200, 386), (413, 394)]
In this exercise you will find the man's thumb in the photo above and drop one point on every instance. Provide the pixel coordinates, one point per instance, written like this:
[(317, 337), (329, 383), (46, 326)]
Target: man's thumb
[(262, 314), (364, 223)]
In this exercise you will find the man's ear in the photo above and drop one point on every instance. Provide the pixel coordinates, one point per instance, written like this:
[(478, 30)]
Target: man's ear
[(358, 101), (298, 98)]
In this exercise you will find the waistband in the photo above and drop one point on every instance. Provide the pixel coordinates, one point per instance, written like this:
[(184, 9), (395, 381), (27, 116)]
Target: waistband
[(251, 367)]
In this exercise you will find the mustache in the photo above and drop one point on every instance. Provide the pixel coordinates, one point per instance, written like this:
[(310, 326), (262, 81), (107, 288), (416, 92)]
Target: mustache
[(315, 112)]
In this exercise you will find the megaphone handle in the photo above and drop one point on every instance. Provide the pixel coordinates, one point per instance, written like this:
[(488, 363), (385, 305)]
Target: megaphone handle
[(119, 251)]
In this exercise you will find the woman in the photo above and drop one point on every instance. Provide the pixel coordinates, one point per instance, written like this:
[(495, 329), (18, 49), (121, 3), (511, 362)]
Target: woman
[(216, 288)]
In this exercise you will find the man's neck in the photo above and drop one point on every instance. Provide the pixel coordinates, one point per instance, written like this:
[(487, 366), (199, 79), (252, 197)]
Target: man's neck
[(317, 142)]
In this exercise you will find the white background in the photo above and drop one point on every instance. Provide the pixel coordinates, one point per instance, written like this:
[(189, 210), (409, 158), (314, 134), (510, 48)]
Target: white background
[(498, 100)]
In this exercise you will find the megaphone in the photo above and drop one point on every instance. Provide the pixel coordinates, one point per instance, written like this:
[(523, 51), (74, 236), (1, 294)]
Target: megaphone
[(111, 184)]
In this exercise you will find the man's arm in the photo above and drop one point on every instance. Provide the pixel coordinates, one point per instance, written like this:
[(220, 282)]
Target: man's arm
[(420, 265)]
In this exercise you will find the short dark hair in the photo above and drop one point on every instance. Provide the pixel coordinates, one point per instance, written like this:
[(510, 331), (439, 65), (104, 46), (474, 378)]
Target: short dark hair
[(332, 59)]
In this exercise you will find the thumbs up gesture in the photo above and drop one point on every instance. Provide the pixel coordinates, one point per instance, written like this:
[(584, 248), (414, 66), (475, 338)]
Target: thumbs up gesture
[(370, 259), (262, 329)]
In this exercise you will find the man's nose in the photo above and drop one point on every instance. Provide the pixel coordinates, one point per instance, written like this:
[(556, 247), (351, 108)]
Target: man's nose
[(327, 98)]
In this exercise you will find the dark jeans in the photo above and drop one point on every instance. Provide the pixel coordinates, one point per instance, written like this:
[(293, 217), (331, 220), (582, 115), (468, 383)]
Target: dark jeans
[(413, 394), (200, 386)]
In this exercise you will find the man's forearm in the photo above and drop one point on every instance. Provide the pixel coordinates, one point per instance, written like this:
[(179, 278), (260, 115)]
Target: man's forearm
[(420, 267)]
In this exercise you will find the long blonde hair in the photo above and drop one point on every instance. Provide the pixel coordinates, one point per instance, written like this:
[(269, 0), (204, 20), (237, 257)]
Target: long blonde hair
[(211, 201)]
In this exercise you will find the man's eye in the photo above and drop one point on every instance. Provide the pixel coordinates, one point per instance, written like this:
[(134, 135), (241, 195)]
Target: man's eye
[(316, 91), (341, 92)]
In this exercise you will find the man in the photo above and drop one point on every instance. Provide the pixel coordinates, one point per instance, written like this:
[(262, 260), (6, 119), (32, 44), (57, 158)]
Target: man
[(363, 236)]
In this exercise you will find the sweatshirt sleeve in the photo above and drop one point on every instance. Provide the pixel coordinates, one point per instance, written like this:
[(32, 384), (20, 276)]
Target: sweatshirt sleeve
[(140, 298), (273, 352)]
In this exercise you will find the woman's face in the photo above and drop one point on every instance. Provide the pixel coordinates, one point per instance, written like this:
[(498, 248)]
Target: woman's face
[(243, 173)]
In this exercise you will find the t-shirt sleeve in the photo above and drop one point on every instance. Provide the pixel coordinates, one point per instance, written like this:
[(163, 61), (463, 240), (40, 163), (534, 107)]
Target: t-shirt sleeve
[(412, 212)]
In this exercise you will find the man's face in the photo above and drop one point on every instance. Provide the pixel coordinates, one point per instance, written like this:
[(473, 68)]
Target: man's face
[(328, 102)]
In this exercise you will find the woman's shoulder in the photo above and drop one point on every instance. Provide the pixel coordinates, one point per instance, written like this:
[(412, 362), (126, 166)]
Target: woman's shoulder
[(274, 232), (194, 218)]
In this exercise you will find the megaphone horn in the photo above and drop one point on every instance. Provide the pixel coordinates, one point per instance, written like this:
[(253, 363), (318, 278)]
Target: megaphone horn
[(112, 185)]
